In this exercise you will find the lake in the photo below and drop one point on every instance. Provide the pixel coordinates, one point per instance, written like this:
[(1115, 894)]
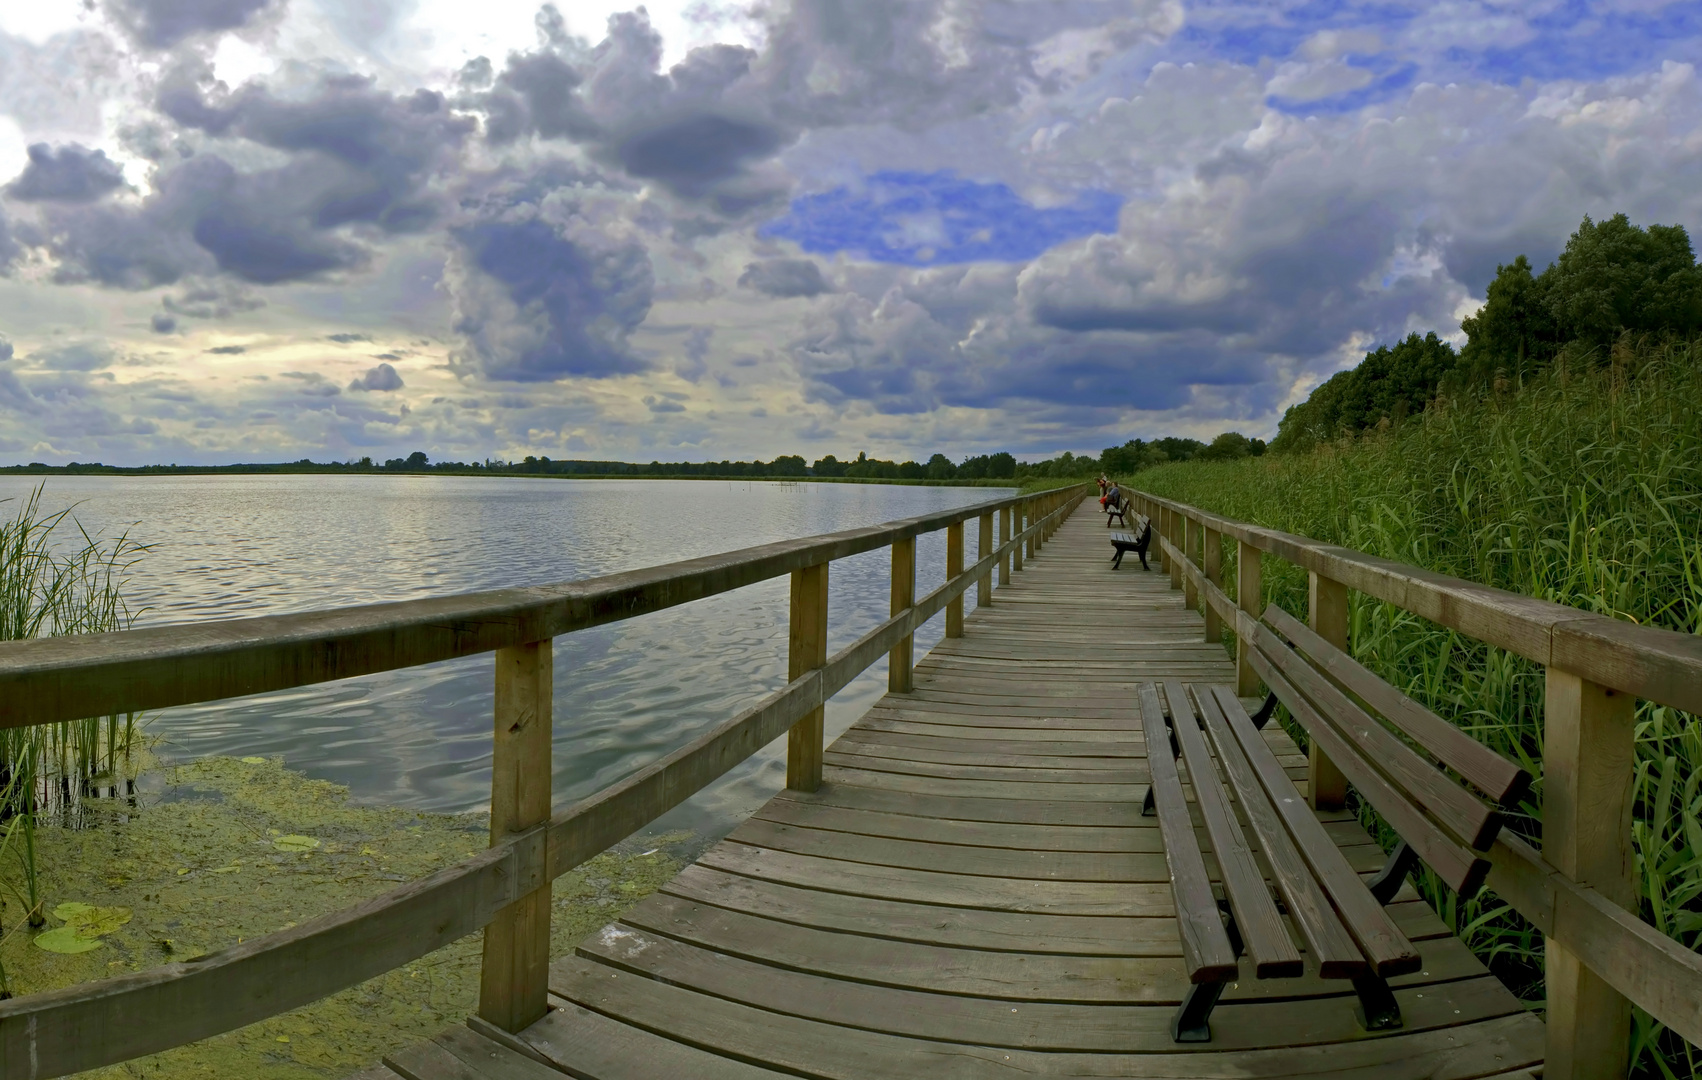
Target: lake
[(225, 547)]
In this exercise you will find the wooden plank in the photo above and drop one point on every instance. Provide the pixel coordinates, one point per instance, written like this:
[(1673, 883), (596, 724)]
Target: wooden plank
[(479, 1058), (1327, 613), (806, 650), (954, 567), (1205, 945), (1249, 596), (954, 890), (899, 677), (836, 1051), (1078, 776), (1008, 863), (1000, 931), (514, 975), (1461, 869), (1004, 789), (1334, 954), (376, 1072), (595, 1047), (1487, 770), (975, 807), (983, 545), (1262, 929), (1382, 943), (1025, 837)]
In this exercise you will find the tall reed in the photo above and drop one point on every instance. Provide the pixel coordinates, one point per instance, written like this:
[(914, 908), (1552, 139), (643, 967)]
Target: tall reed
[(56, 578), (1583, 487)]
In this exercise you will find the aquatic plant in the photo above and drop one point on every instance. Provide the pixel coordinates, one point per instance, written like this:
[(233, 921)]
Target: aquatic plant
[(1582, 486)]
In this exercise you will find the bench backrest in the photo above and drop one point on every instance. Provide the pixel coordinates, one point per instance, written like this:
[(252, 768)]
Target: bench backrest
[(1392, 750)]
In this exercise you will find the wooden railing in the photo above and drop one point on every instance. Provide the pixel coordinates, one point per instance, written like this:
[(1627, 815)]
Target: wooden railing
[(1579, 890), (506, 889)]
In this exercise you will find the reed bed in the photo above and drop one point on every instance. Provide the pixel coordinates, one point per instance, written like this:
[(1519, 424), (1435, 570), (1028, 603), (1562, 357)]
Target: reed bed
[(1583, 486), (57, 578)]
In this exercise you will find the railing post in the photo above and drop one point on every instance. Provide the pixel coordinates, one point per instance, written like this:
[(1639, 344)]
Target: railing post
[(1173, 533), (806, 650), (954, 567), (1190, 543), (898, 679), (514, 978), (1326, 607), (1020, 523), (1005, 535), (1211, 563), (1249, 591), (1588, 769), (983, 548)]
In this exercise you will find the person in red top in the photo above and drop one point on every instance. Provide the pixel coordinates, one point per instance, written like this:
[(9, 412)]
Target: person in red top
[(1104, 485)]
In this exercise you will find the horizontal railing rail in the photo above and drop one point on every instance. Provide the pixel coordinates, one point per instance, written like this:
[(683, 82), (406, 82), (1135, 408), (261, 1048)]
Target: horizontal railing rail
[(1578, 889), (499, 890)]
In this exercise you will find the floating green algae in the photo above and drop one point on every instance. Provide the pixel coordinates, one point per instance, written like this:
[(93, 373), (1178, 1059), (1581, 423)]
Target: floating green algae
[(218, 859)]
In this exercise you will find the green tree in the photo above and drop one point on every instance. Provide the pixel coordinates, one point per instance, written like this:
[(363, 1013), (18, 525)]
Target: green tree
[(1001, 466), (828, 465), (1615, 276), (941, 468), (1389, 383)]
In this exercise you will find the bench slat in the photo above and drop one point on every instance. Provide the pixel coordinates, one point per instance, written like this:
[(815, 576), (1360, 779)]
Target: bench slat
[(1482, 767), (1414, 778), (1379, 939), (1205, 943), (1262, 930), (1337, 955), (1462, 872)]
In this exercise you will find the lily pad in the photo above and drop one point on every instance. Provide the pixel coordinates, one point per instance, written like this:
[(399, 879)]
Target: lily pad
[(65, 939), (295, 843), (90, 921)]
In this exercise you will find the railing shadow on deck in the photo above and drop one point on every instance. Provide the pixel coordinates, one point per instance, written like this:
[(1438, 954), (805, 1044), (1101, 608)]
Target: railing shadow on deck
[(504, 890), (1579, 890)]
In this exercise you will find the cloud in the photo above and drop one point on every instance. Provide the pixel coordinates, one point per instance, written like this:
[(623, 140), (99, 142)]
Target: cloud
[(162, 323), (75, 356), (347, 339), (71, 174), (785, 278), (548, 281), (6, 350), (228, 350), (381, 378), (161, 24), (211, 299), (930, 219)]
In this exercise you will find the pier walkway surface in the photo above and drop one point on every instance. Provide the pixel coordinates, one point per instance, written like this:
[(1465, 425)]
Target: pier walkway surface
[(973, 892)]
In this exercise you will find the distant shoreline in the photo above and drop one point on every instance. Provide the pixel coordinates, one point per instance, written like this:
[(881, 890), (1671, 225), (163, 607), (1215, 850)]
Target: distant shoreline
[(294, 469)]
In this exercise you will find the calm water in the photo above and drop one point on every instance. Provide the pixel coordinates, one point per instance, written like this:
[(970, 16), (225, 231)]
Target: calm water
[(232, 546)]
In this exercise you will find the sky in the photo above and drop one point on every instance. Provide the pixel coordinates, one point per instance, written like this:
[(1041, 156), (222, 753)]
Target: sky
[(263, 230)]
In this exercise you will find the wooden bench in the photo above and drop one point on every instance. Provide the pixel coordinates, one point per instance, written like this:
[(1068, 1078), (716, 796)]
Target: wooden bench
[(1138, 542), (1339, 916), (1117, 508)]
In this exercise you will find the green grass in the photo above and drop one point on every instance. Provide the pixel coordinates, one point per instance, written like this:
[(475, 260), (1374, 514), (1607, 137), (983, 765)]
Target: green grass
[(1584, 489)]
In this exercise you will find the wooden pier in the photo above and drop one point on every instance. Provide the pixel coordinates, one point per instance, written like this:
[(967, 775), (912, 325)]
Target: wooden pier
[(960, 886), (973, 892)]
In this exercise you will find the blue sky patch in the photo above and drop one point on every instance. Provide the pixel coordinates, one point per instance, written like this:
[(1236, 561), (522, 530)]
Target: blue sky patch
[(938, 218)]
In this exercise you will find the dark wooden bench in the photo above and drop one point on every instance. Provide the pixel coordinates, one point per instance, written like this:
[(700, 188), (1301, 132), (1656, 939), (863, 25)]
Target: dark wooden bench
[(1138, 542), (1117, 508), (1339, 915)]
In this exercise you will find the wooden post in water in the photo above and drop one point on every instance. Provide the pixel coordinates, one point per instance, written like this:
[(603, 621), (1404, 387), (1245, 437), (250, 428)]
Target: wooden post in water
[(898, 678), (1005, 538), (954, 567), (1326, 608), (983, 548), (1249, 597), (1190, 549), (1212, 565), (514, 978), (1588, 769), (806, 650)]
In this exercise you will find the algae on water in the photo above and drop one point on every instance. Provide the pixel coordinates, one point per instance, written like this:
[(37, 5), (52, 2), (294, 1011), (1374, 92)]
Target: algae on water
[(236, 848)]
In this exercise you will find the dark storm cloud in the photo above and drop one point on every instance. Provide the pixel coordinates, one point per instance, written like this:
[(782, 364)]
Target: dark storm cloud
[(357, 159), (548, 284), (381, 378), (785, 278), (162, 323), (73, 174), (160, 24)]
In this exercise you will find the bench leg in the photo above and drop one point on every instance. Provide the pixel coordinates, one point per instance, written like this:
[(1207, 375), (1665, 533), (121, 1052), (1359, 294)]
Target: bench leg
[(1402, 861), (1144, 566), (1117, 559), (1377, 1009), (1191, 1022), (1263, 716)]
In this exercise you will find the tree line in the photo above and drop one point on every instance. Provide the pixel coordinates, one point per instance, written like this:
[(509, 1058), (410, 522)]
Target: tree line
[(1615, 287)]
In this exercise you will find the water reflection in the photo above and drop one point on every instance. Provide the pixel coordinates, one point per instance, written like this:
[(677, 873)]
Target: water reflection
[(231, 546)]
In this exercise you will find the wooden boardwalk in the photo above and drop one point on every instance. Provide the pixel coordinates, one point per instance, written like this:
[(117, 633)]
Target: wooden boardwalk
[(974, 893)]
